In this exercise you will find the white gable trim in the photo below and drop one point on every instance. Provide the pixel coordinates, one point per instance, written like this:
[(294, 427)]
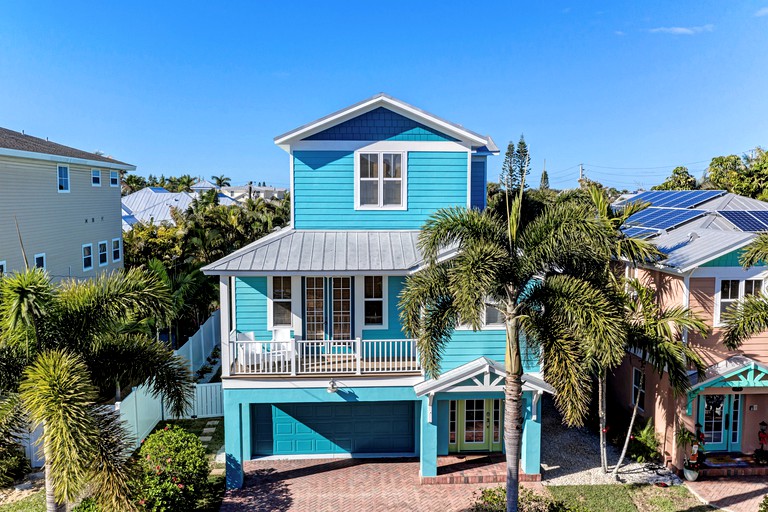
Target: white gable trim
[(377, 101)]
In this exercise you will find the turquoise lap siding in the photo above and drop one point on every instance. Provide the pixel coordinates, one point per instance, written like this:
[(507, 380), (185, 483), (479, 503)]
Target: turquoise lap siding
[(728, 260), (320, 428), (325, 199), (251, 306), (479, 179), (468, 345), (380, 124)]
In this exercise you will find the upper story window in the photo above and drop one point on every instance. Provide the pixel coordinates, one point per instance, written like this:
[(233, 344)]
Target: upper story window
[(63, 178), (733, 290), (493, 317), (40, 260), (114, 179), (2, 268), (96, 178), (281, 301), (374, 300), (116, 249), (380, 181), (87, 257), (103, 253)]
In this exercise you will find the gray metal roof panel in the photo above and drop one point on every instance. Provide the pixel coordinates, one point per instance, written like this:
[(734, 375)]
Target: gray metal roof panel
[(294, 251), (688, 246)]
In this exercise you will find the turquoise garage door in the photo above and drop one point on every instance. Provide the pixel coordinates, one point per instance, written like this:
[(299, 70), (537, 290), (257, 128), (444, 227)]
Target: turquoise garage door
[(304, 429)]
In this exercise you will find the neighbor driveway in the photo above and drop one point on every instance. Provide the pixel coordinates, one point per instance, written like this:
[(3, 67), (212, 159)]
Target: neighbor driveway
[(346, 485)]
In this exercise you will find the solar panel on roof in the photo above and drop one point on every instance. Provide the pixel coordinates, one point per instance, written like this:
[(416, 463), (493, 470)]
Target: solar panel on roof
[(641, 233), (676, 198), (663, 218), (747, 221)]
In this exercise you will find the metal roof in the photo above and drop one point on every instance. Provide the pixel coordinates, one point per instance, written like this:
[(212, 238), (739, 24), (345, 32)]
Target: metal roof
[(323, 252), (725, 368), (689, 246)]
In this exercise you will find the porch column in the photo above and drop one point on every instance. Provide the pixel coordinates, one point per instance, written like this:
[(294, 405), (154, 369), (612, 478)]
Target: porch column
[(428, 438), (530, 451), (233, 440)]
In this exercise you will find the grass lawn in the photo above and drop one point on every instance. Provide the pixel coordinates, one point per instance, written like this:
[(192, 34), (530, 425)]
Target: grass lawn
[(628, 498), (32, 503)]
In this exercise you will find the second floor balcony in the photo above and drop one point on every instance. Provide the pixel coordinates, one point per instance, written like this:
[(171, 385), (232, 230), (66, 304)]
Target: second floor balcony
[(297, 357)]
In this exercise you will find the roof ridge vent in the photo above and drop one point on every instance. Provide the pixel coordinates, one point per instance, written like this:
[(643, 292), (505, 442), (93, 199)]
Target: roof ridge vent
[(693, 236)]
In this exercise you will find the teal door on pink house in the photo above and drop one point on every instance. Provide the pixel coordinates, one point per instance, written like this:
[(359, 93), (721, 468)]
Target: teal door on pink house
[(720, 417)]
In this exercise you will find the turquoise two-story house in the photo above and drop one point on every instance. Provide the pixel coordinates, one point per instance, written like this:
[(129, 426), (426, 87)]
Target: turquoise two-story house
[(314, 360)]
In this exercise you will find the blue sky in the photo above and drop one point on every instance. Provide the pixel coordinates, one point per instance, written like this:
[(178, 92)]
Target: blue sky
[(630, 89)]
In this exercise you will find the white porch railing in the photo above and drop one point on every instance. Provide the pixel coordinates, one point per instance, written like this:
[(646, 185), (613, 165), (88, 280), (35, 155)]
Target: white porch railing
[(323, 357)]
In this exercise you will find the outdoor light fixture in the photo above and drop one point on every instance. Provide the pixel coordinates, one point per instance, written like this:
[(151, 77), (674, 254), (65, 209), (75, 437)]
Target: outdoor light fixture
[(332, 387)]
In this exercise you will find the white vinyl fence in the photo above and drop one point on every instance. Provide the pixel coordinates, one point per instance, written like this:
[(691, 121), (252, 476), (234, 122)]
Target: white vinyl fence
[(140, 411)]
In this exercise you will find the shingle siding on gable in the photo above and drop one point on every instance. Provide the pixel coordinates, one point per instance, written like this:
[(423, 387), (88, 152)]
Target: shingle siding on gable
[(479, 179), (324, 194), (381, 124)]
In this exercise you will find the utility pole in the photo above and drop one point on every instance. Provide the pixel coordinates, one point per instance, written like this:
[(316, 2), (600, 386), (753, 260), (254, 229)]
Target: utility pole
[(581, 172)]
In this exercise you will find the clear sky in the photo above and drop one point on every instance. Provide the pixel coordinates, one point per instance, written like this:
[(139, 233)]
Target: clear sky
[(202, 88)]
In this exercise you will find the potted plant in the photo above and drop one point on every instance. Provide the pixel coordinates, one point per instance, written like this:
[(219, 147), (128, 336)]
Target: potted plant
[(692, 463)]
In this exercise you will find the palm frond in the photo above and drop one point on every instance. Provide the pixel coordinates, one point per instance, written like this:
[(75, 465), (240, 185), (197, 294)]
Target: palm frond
[(744, 320), (756, 252), (450, 227), (13, 419), (112, 470)]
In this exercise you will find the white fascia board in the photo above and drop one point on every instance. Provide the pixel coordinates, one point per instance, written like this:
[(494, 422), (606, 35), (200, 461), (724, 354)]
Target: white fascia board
[(288, 382), (284, 141), (321, 273), (379, 145), (65, 159)]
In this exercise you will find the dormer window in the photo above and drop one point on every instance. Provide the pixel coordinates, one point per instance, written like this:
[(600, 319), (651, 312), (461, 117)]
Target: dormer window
[(380, 181)]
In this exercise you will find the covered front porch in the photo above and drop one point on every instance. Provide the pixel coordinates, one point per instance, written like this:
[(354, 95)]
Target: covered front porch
[(727, 406)]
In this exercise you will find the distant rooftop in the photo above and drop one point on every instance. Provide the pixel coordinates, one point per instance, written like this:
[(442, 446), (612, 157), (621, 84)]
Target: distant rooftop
[(19, 141)]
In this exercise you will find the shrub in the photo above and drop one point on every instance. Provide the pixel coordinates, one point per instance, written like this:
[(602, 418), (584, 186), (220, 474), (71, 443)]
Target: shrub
[(201, 373), (494, 499), (87, 505), (764, 505), (644, 444), (175, 470), (13, 464)]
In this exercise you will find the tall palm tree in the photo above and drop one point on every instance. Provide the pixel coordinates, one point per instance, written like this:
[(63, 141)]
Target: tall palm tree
[(627, 251), (655, 332), (533, 270), (85, 337), (184, 183), (221, 181), (749, 316)]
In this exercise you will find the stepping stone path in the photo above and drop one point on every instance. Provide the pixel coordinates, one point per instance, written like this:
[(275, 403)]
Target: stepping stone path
[(210, 428)]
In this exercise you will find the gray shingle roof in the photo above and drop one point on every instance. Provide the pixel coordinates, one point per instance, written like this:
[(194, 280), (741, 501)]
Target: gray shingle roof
[(10, 139), (305, 251)]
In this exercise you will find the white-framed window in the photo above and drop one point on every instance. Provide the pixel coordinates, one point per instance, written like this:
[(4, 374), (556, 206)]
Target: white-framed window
[(638, 391), (40, 260), (103, 253), (281, 301), (380, 180), (87, 257), (2, 268), (117, 249), (62, 173), (494, 317), (453, 417), (373, 301), (95, 177), (114, 179), (730, 291)]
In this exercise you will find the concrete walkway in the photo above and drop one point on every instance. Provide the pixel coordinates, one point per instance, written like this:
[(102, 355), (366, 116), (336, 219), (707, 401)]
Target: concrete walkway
[(733, 493)]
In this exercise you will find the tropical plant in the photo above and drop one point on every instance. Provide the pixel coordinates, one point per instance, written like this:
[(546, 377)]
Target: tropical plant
[(680, 179), (221, 181), (184, 183), (74, 343), (746, 175), (683, 439), (644, 444), (655, 333), (535, 271), (748, 316)]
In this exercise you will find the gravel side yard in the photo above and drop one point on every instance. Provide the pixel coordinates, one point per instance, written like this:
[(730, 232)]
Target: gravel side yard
[(571, 456)]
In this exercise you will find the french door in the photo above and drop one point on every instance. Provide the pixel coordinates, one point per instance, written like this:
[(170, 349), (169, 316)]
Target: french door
[(720, 418), (328, 308), (475, 425)]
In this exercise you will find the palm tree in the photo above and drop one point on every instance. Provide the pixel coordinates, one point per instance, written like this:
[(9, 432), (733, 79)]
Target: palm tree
[(184, 183), (221, 181), (655, 332), (749, 316), (84, 339), (630, 251), (533, 270)]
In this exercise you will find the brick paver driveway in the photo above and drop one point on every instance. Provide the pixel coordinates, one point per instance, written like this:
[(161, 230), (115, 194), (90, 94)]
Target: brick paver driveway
[(346, 485), (734, 493)]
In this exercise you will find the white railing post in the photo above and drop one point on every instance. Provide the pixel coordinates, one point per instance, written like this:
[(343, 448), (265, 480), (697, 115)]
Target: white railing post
[(293, 359), (359, 353)]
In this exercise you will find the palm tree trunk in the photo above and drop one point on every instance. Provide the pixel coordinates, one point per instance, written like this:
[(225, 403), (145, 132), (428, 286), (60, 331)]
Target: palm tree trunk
[(631, 423), (50, 498), (601, 413), (513, 425)]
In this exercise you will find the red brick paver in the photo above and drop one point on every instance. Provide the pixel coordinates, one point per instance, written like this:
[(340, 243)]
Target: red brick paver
[(733, 493), (345, 485)]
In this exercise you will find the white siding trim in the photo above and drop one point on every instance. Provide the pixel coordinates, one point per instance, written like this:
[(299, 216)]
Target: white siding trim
[(39, 255), (378, 145), (359, 306), (82, 257), (321, 383), (120, 246), (69, 179), (403, 181), (93, 175), (270, 308), (106, 253), (117, 174)]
